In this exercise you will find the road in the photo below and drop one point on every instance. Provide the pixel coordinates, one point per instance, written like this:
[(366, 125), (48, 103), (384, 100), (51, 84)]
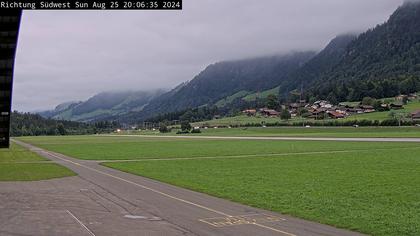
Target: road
[(103, 201), (410, 140)]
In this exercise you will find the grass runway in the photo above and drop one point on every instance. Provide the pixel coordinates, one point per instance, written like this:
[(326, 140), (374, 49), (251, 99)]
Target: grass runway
[(367, 187)]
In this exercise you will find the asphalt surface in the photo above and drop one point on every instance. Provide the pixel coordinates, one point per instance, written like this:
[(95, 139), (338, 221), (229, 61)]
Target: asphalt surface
[(413, 140), (103, 201)]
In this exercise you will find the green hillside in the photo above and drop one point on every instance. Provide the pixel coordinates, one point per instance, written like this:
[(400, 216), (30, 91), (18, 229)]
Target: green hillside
[(263, 94), (225, 101), (410, 107)]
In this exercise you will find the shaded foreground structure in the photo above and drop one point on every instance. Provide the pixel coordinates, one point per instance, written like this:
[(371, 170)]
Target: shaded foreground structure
[(9, 31)]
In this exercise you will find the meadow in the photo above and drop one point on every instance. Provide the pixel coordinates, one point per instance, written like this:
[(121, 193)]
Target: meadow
[(20, 164), (330, 132), (240, 120), (367, 187), (140, 148)]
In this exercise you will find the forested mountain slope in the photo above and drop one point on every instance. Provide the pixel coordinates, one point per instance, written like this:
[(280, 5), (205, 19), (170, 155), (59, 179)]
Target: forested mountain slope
[(381, 62), (223, 79)]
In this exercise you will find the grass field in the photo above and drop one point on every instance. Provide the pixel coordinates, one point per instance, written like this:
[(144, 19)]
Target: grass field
[(238, 120), (123, 148), (19, 164), (339, 132), (368, 187)]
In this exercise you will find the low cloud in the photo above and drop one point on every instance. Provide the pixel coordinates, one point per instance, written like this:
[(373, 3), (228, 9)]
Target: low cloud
[(71, 55)]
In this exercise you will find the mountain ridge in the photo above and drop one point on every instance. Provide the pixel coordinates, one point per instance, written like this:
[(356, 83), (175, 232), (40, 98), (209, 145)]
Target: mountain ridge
[(103, 106), (383, 61)]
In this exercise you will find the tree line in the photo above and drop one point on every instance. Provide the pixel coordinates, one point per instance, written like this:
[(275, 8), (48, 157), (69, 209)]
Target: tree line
[(29, 124)]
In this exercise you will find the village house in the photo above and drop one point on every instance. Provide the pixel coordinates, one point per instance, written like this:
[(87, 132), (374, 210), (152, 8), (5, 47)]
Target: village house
[(269, 112), (341, 111), (250, 112), (413, 96), (385, 106), (401, 97), (350, 109), (294, 106), (415, 115), (318, 113), (367, 108), (335, 115), (396, 106), (355, 110), (322, 104)]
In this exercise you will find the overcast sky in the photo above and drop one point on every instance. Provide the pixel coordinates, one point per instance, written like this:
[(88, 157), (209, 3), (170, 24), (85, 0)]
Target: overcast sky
[(71, 55)]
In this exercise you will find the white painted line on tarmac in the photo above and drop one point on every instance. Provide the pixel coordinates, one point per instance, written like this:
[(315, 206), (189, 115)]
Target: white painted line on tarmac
[(81, 223)]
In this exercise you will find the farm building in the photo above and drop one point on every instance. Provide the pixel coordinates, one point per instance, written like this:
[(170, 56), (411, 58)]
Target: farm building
[(413, 96), (318, 113), (367, 108), (336, 115), (401, 97), (396, 106), (322, 104), (250, 112), (415, 115), (269, 112), (294, 106)]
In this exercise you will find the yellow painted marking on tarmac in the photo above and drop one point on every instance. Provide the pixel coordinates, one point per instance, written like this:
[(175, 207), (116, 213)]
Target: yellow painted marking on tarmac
[(254, 219), (164, 194), (241, 220)]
